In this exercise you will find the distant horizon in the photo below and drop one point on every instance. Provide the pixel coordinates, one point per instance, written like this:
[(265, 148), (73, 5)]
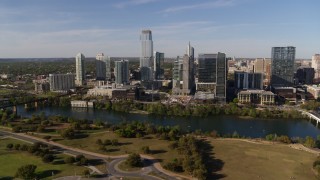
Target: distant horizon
[(240, 28)]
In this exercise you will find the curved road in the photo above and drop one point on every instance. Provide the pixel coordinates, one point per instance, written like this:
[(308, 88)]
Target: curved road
[(151, 164)]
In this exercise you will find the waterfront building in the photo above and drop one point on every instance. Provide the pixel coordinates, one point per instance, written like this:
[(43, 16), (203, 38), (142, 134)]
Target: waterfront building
[(282, 66), (80, 69), (315, 63), (314, 90), (146, 58), (212, 74), (304, 75), (61, 82), (256, 97), (158, 65), (103, 68), (121, 72), (247, 80)]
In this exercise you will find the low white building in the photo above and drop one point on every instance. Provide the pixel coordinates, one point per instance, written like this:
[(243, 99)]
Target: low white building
[(314, 90)]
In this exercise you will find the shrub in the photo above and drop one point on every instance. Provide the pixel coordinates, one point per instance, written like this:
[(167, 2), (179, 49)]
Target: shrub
[(9, 146), (47, 158), (145, 149), (69, 160), (134, 160)]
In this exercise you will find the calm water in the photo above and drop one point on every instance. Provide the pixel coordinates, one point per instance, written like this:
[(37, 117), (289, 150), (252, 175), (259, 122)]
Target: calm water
[(223, 124)]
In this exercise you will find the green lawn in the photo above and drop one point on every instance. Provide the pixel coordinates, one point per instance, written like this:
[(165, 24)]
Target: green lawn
[(244, 160), (10, 161), (159, 148)]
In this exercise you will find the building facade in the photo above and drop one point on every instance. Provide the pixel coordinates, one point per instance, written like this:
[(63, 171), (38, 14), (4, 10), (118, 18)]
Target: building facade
[(282, 66), (183, 73), (304, 75), (212, 72), (315, 63), (103, 68), (256, 97), (247, 80), (61, 82), (146, 58), (80, 70), (121, 72), (158, 66)]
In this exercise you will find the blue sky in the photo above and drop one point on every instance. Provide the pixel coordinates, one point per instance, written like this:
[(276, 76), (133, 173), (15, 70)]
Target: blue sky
[(240, 28)]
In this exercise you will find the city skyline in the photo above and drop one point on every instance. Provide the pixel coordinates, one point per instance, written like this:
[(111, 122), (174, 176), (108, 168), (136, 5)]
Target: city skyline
[(240, 28)]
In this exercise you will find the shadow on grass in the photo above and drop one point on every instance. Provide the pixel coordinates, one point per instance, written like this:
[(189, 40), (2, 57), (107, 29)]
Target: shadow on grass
[(80, 135), (6, 178), (113, 150), (47, 173), (124, 143), (158, 151), (95, 162), (213, 164)]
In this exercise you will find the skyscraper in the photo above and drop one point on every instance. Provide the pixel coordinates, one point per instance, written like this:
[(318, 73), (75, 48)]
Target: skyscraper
[(146, 58), (315, 63), (158, 65), (103, 67), (212, 74), (183, 73), (80, 72), (121, 72), (282, 66)]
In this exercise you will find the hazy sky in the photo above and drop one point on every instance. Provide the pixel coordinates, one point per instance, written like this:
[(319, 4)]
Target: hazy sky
[(241, 28)]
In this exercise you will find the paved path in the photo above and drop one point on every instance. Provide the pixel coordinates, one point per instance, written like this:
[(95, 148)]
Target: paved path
[(151, 163)]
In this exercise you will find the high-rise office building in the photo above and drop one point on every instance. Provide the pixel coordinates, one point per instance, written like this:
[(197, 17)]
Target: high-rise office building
[(315, 64), (262, 65), (146, 59), (103, 68), (183, 73), (80, 71), (121, 72), (247, 80), (282, 66), (304, 75), (61, 82), (212, 74), (158, 65)]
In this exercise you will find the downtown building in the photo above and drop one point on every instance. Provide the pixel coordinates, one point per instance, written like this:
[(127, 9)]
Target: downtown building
[(146, 58), (263, 66), (61, 82), (80, 70), (158, 65), (212, 76), (282, 66), (103, 68), (248, 80), (304, 75), (315, 64), (121, 72), (183, 73)]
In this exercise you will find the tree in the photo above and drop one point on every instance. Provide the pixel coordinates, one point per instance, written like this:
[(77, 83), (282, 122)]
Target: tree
[(69, 160), (10, 146), (114, 142), (68, 133), (310, 142), (134, 160), (145, 149), (47, 158), (26, 172), (99, 141), (86, 172)]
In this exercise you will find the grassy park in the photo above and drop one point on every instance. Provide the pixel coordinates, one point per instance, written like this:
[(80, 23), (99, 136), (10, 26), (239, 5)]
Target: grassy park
[(159, 148), (11, 160), (245, 160)]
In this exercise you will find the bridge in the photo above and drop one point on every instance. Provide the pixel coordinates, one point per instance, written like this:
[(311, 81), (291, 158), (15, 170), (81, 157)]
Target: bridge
[(5, 103), (310, 115)]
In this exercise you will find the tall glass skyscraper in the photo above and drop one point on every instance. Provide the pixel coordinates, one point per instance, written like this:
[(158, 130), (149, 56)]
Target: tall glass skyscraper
[(103, 67), (80, 71), (282, 66), (121, 72), (158, 65), (146, 59), (212, 68)]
